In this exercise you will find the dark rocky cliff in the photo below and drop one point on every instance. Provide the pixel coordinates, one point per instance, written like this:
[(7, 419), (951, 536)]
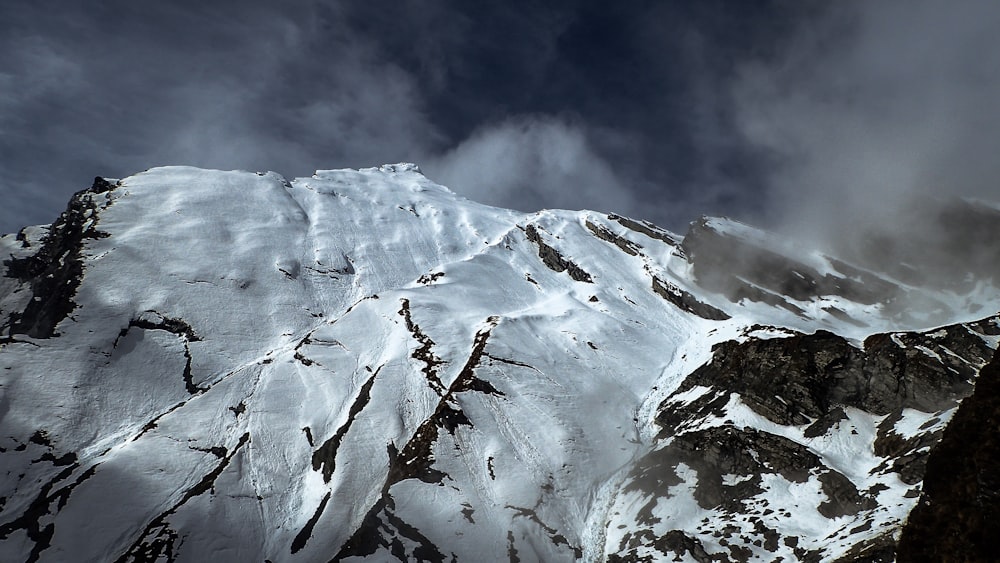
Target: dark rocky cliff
[(958, 516), (811, 392)]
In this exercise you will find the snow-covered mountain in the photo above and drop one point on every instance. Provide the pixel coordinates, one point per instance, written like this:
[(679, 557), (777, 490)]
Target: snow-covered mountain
[(226, 366)]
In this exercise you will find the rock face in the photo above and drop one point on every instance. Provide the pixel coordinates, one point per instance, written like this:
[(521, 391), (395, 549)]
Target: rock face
[(956, 518), (795, 379), (778, 414), (54, 271), (228, 366)]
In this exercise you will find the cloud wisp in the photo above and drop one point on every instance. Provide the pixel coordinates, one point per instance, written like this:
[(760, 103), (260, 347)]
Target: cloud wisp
[(598, 91), (826, 121), (875, 112), (537, 162)]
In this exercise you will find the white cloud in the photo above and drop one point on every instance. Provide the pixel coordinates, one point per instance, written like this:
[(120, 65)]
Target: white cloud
[(874, 107), (531, 163)]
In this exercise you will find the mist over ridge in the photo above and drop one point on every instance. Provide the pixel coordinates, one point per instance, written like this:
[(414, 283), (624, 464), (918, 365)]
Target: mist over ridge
[(822, 120), (878, 120)]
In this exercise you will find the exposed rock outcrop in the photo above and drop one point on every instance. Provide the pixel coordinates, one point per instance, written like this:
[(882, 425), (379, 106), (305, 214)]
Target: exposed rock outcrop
[(54, 272), (768, 414), (958, 515)]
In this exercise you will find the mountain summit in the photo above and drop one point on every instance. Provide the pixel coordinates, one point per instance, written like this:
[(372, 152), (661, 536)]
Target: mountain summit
[(201, 365)]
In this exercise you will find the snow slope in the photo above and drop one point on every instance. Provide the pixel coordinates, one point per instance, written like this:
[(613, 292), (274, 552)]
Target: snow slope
[(203, 365)]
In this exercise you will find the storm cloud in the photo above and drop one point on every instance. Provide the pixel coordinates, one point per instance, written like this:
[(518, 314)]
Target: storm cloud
[(115, 89), (612, 99), (773, 112)]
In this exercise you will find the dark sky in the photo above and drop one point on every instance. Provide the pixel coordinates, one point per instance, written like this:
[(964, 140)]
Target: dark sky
[(778, 112)]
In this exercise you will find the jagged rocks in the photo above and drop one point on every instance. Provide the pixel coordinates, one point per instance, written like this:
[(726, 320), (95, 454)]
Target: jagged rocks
[(554, 260), (325, 457), (648, 229), (801, 378), (809, 392), (382, 527), (626, 246), (55, 271), (958, 513), (665, 289), (686, 301)]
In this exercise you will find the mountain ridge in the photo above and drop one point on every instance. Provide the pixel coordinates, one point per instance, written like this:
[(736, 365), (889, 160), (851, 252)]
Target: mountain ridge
[(364, 364)]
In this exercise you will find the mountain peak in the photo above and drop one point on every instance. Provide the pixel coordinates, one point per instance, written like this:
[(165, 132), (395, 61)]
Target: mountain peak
[(362, 364)]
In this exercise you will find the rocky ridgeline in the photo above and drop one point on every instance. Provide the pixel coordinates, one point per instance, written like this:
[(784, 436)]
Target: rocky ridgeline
[(774, 413), (358, 391)]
